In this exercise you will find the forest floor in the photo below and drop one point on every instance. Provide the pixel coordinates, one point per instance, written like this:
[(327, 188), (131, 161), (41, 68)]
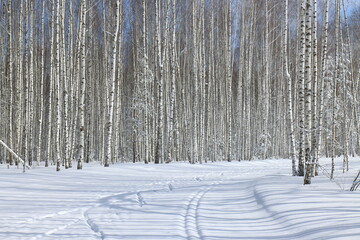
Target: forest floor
[(237, 200)]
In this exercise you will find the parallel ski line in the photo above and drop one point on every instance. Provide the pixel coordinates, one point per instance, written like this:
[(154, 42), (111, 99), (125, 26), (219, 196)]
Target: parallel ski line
[(191, 219)]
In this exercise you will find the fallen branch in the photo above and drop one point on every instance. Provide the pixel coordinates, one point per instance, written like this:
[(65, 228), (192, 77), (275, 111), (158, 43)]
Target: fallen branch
[(14, 154)]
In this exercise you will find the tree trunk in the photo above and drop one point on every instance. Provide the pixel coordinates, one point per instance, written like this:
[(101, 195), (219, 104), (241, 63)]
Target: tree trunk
[(229, 86), (51, 86), (308, 93), (82, 84), (321, 88), (10, 78), (289, 82), (112, 82), (335, 79), (57, 87), (42, 79), (301, 91)]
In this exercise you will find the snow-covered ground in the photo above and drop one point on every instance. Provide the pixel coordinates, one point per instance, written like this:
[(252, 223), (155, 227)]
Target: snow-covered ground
[(237, 200)]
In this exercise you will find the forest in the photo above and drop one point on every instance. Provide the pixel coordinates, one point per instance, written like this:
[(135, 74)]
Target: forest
[(179, 80)]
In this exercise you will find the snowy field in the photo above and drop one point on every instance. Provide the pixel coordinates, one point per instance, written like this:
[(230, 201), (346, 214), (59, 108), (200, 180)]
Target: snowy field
[(237, 200)]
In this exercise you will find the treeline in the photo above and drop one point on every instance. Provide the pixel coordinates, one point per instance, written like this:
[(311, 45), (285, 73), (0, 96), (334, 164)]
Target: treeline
[(162, 81)]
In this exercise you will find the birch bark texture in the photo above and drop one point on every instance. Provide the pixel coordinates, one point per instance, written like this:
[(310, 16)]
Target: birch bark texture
[(82, 87), (112, 82)]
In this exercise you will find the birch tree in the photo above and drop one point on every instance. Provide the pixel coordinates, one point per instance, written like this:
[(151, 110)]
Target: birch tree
[(301, 80), (26, 122), (10, 77), (229, 86), (195, 82), (290, 95), (322, 81), (19, 80), (308, 92), (51, 88), (110, 110), (82, 86), (65, 80), (335, 79), (42, 80), (159, 150), (171, 145), (57, 86)]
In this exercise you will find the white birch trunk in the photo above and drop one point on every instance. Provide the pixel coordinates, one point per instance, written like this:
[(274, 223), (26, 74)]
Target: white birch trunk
[(321, 88), (195, 81), (247, 130), (229, 87), (57, 87), (210, 88), (110, 111), (289, 82), (72, 90), (202, 63), (239, 110), (308, 93), (42, 79), (336, 77), (26, 123), (314, 106), (19, 81), (146, 80), (171, 144), (351, 75), (51, 92), (10, 78), (159, 152), (82, 84), (265, 88), (301, 78), (65, 86), (31, 82)]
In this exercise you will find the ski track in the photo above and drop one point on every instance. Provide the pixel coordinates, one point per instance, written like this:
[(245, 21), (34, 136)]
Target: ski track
[(239, 208), (54, 230), (203, 206), (53, 217), (43, 217), (191, 219), (92, 225)]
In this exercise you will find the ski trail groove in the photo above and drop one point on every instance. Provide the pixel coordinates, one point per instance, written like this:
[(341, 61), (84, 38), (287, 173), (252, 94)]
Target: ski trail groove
[(93, 226), (43, 217), (191, 220), (54, 230), (191, 216)]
